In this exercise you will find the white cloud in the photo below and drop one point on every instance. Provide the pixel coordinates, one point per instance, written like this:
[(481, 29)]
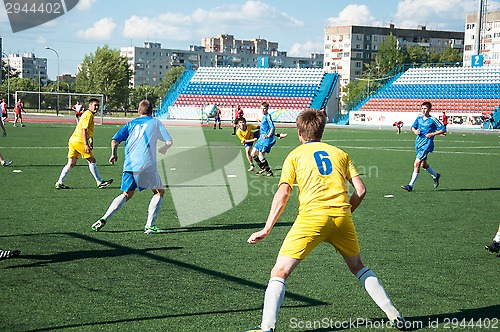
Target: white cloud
[(305, 49), (101, 30), (40, 40), (202, 22), (354, 15), (85, 5), (434, 14)]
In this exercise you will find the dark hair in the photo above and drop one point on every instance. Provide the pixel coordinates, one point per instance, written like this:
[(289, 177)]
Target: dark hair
[(311, 124), (242, 119), (145, 107), (94, 100), (427, 104), (265, 104)]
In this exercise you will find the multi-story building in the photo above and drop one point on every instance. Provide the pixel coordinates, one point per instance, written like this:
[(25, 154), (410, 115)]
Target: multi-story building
[(151, 62), (349, 48), (28, 66), (489, 38)]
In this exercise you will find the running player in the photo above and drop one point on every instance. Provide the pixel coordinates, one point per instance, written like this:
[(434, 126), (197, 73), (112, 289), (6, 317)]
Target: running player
[(426, 127), (139, 166)]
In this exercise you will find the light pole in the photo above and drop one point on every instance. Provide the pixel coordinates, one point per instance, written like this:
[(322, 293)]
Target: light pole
[(57, 78), (8, 78)]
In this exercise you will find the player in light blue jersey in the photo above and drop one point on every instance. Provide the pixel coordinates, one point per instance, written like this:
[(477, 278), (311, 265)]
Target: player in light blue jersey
[(426, 127), (265, 142), (139, 166)]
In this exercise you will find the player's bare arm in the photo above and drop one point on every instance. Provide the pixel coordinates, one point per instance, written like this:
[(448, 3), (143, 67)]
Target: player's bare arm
[(114, 151), (439, 132), (86, 141), (358, 194), (163, 149), (278, 205)]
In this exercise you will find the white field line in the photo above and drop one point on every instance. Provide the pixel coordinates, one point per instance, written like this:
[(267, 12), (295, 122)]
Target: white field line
[(466, 150)]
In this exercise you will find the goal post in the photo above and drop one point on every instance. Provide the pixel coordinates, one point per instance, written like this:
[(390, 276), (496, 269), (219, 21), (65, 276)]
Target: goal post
[(56, 101)]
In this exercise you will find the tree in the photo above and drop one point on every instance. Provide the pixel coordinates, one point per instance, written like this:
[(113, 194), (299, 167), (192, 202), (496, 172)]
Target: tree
[(450, 55), (415, 54), (108, 73), (388, 56), (170, 78), (6, 73)]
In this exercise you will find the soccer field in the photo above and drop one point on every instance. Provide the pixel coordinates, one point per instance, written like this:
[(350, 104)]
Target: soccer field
[(425, 246)]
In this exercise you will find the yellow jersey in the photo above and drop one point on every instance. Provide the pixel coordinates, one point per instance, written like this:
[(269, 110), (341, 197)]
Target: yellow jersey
[(321, 171), (247, 134), (86, 122)]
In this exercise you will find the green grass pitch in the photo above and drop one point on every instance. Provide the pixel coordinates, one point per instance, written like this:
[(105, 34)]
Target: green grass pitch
[(425, 246)]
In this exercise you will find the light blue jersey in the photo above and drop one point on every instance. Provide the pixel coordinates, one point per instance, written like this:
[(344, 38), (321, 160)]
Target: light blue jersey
[(426, 126), (266, 126), (141, 136)]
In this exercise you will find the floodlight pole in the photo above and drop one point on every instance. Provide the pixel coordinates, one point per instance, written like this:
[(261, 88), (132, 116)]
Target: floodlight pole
[(57, 78), (8, 78)]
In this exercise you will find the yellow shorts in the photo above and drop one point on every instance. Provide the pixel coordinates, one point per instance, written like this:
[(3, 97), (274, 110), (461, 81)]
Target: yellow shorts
[(309, 231), (77, 149)]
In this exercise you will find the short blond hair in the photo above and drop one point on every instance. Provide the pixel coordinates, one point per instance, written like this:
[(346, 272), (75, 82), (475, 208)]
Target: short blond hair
[(311, 124)]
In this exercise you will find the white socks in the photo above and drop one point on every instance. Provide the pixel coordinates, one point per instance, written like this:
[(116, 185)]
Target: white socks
[(497, 237), (115, 205), (376, 291), (432, 172), (95, 172), (414, 178), (275, 292), (64, 172), (153, 209)]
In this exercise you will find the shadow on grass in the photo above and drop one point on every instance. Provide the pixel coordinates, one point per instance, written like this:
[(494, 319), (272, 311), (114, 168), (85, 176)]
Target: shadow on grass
[(120, 250), (485, 317), (471, 189), (173, 230)]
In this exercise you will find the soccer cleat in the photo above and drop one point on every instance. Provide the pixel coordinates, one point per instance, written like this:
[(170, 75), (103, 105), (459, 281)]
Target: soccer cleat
[(436, 180), (493, 247), (269, 173), (104, 184), (408, 188), (283, 135), (153, 230), (5, 254), (98, 225), (258, 329), (260, 172), (23, 125), (399, 324), (252, 168), (7, 163), (61, 186)]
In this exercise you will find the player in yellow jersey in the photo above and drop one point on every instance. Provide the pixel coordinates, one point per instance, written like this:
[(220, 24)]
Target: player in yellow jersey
[(321, 172), (248, 134), (81, 143)]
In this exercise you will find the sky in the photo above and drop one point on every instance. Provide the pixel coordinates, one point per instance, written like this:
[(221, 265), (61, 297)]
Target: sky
[(297, 25)]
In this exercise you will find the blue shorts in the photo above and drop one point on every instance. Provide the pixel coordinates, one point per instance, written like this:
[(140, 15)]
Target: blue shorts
[(147, 179), (217, 119), (422, 154), (262, 145), (256, 134)]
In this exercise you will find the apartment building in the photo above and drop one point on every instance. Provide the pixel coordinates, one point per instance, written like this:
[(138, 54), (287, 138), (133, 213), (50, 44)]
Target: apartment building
[(349, 48), (489, 38), (28, 66), (150, 62)]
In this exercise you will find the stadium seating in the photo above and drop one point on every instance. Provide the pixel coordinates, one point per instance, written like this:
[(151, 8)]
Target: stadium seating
[(286, 89), (449, 89)]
